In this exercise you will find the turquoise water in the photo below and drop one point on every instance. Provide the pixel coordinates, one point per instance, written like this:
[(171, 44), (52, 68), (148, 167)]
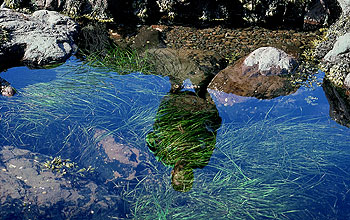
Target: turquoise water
[(284, 158)]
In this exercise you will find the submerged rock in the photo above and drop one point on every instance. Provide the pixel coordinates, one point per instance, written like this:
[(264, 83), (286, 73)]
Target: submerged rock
[(115, 159), (262, 74), (45, 37), (29, 192), (197, 66)]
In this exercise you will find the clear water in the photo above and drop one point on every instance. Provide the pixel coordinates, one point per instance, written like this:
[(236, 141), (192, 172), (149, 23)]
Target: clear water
[(283, 158)]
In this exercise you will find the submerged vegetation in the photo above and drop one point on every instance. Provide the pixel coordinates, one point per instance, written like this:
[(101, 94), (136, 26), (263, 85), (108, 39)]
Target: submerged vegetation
[(184, 135), (271, 169), (120, 60)]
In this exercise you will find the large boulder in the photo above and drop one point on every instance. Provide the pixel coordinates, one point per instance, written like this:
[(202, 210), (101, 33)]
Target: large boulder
[(42, 38), (28, 191), (267, 61), (262, 74)]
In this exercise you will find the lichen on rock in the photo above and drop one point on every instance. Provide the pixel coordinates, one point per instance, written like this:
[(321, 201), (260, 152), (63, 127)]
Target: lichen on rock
[(42, 38), (334, 50)]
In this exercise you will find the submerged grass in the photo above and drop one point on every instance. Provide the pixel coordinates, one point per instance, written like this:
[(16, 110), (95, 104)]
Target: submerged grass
[(85, 96), (271, 169), (121, 60)]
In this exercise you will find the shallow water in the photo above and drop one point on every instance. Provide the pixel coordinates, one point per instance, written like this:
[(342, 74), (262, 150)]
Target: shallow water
[(284, 158)]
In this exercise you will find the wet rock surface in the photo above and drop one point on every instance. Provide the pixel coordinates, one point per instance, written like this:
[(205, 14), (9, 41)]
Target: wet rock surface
[(29, 192), (199, 54), (43, 38), (197, 66)]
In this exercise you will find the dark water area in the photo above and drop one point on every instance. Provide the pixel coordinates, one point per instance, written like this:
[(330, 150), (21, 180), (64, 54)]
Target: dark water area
[(178, 156)]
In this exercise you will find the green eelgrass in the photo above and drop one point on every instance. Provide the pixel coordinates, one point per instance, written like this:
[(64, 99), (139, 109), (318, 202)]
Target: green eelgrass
[(120, 60), (271, 169), (83, 96)]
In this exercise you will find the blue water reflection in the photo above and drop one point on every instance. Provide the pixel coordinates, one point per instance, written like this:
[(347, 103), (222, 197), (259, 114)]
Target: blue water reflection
[(283, 158)]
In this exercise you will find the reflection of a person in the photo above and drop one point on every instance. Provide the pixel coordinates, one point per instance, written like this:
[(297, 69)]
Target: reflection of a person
[(184, 135)]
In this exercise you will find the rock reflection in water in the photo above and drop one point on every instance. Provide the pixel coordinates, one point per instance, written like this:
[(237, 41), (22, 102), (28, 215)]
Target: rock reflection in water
[(184, 135), (339, 103)]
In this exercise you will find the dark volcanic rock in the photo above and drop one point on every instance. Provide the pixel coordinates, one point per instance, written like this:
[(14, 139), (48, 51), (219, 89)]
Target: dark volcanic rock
[(194, 12), (43, 38)]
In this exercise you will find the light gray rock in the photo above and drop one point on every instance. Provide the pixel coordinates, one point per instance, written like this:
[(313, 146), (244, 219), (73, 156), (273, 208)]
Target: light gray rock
[(341, 46), (345, 5), (45, 36), (268, 61), (334, 51), (347, 81)]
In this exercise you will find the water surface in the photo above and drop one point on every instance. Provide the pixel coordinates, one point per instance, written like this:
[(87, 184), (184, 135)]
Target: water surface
[(283, 158)]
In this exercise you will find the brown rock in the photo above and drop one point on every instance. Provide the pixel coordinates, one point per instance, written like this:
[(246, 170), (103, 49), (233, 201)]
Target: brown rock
[(232, 80)]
